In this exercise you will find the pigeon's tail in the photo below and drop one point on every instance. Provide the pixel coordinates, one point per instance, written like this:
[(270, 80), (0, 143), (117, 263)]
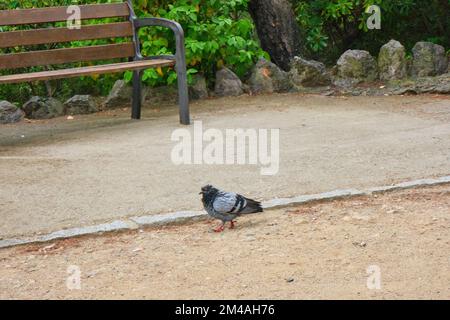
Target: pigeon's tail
[(252, 206)]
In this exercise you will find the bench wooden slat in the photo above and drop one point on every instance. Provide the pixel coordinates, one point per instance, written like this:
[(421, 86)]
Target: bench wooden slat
[(77, 72), (57, 14), (66, 55), (55, 35)]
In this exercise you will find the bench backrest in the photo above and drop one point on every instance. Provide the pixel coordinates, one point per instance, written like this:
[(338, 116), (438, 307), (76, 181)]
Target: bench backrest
[(51, 35)]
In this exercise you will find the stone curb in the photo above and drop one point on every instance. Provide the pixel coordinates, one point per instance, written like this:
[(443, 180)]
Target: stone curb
[(182, 216)]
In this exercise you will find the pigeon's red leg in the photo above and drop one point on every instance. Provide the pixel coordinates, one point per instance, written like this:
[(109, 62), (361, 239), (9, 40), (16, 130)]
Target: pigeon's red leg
[(232, 224), (220, 228)]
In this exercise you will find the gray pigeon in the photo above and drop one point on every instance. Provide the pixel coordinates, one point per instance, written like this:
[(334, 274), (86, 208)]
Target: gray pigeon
[(226, 206)]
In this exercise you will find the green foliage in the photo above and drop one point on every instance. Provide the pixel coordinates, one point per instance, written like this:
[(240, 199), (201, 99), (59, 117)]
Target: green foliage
[(217, 32), (220, 32), (333, 26), (64, 88)]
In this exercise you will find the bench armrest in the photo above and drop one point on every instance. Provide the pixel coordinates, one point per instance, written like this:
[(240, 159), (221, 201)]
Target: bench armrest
[(180, 57), (161, 22)]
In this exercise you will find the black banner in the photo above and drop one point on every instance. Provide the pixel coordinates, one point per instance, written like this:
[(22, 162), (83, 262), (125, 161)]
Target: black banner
[(218, 309)]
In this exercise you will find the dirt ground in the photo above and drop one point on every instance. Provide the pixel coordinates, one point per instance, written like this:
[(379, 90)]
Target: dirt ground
[(57, 174), (319, 250)]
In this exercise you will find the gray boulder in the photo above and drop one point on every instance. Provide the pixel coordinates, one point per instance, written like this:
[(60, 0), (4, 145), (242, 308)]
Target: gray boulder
[(121, 95), (266, 77), (198, 90), (80, 104), (438, 84), (392, 61), (227, 83), (161, 95), (43, 108), (355, 66), (9, 113), (308, 73), (429, 59)]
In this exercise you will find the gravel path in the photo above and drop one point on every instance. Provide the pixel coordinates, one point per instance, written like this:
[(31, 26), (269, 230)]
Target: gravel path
[(319, 250), (60, 173)]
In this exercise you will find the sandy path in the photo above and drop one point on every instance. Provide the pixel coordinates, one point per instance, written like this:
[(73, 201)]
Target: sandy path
[(319, 250), (102, 167)]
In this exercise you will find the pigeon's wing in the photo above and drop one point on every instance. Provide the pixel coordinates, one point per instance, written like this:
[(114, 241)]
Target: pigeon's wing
[(225, 202)]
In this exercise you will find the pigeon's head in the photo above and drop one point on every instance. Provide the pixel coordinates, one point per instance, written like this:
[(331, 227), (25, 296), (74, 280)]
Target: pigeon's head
[(208, 193), (208, 189)]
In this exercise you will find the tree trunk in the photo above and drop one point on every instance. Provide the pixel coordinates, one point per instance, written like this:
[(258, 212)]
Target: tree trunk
[(277, 29)]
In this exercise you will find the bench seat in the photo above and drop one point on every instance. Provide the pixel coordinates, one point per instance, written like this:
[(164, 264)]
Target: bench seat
[(83, 71), (31, 29)]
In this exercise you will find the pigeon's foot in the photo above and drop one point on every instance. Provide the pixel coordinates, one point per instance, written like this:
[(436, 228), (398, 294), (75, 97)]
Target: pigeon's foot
[(220, 228), (232, 224)]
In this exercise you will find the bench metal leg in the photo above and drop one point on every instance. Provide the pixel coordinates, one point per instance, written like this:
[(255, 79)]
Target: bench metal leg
[(137, 88), (183, 94)]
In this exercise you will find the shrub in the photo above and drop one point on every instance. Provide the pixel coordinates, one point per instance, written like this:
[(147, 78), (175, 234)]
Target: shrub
[(332, 26), (217, 32)]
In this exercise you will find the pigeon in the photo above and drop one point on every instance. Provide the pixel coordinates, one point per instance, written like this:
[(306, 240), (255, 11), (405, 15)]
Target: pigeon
[(226, 206)]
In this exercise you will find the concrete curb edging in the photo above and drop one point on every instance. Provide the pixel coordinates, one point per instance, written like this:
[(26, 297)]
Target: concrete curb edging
[(182, 216)]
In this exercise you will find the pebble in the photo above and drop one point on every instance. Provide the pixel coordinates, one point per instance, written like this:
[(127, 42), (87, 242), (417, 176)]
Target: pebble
[(289, 280), (360, 244), (91, 274)]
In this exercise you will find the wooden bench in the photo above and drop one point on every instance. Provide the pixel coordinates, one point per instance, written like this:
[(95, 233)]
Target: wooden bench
[(130, 49)]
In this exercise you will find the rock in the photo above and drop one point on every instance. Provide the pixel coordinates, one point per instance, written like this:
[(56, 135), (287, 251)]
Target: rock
[(360, 244), (161, 95), (43, 108), (246, 88), (308, 73), (392, 61), (267, 77), (355, 66), (120, 95), (439, 84), (429, 59), (227, 83), (198, 90), (80, 104), (9, 113)]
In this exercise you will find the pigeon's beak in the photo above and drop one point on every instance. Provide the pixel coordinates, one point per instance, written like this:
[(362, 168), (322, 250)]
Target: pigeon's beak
[(201, 192)]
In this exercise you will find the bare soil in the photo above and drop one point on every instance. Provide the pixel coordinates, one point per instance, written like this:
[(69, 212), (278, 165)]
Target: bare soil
[(319, 250), (58, 173)]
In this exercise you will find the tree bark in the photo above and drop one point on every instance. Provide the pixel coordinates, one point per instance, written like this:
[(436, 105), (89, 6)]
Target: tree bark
[(277, 29)]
